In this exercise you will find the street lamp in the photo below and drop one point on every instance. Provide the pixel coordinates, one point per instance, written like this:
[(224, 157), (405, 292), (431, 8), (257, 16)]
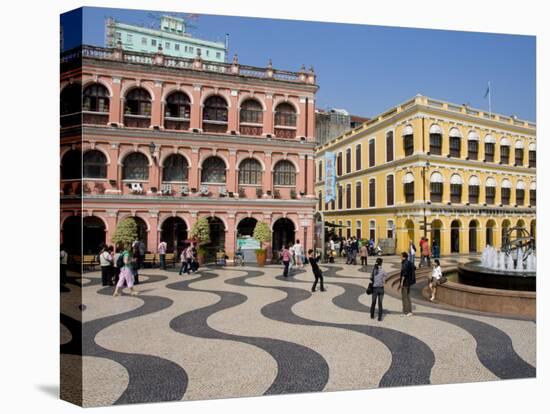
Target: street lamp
[(152, 148)]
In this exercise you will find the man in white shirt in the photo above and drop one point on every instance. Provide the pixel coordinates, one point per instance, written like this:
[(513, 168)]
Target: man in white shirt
[(162, 254), (298, 254)]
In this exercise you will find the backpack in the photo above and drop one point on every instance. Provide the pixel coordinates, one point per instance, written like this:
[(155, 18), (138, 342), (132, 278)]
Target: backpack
[(120, 261)]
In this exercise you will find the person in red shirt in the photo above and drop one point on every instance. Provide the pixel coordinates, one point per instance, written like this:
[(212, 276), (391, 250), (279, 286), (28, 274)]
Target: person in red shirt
[(286, 256)]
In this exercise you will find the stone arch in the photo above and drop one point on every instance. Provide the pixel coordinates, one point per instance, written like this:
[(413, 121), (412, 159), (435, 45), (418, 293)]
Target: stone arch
[(174, 88), (456, 227), (204, 157), (127, 152), (91, 81), (250, 96), (86, 148), (132, 85), (281, 100), (276, 160), (246, 157), (221, 94), (170, 153)]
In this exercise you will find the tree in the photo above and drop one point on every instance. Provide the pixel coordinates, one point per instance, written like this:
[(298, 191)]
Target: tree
[(262, 232), (126, 231), (201, 231)]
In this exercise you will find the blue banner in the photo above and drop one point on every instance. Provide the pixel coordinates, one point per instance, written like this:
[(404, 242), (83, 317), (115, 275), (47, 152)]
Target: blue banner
[(330, 176)]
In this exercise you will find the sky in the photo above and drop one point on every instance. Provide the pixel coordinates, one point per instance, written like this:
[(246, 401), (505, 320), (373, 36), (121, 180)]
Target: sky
[(364, 69)]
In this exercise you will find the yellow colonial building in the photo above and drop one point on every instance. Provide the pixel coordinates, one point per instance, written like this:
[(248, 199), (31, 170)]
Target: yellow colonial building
[(458, 175)]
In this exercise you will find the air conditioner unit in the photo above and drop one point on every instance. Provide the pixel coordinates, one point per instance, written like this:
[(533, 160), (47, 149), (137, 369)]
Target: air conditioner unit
[(184, 190), (203, 190), (166, 189), (136, 187)]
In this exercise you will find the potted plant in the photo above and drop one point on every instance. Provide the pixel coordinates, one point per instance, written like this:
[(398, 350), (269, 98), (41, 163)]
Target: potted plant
[(262, 233), (242, 193), (259, 192), (293, 194), (201, 232), (276, 194)]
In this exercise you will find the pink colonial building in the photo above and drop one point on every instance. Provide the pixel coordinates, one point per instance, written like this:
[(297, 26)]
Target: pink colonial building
[(167, 140)]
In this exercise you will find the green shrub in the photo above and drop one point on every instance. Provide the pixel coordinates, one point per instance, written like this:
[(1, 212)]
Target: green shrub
[(126, 232), (201, 231), (262, 232)]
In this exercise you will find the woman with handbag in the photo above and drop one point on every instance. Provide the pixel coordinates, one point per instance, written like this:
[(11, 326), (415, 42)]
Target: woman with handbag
[(436, 279), (378, 279)]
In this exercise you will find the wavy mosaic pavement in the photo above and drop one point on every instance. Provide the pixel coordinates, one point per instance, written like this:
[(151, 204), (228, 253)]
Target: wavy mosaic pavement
[(227, 332)]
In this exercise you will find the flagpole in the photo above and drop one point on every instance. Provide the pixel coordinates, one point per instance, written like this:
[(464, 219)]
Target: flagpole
[(490, 108)]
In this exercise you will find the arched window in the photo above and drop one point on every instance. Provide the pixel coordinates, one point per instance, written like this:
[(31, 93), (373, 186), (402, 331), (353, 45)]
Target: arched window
[(358, 195), (96, 98), (251, 118), (95, 164), (505, 190), (435, 139), (505, 151), (436, 187), (408, 140), (519, 153), (456, 188), (137, 108), (285, 120), (389, 146), (455, 142), (372, 192), (135, 167), (213, 170), (473, 145), (490, 190), (177, 111), (489, 148), (372, 230), (532, 155), (408, 187), (284, 173), (533, 194), (71, 165), (520, 193), (250, 172), (320, 201), (175, 168), (473, 190), (348, 196), (389, 190), (95, 105), (214, 115), (71, 105)]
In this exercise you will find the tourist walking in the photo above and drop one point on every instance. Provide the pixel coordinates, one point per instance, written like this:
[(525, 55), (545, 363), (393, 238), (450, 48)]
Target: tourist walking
[(314, 262), (412, 252), (118, 262), (162, 254), (378, 278), (106, 264), (298, 254), (435, 249), (63, 263), (436, 277), (364, 252), (286, 257), (354, 249), (126, 276), (332, 251), (407, 278), (135, 260)]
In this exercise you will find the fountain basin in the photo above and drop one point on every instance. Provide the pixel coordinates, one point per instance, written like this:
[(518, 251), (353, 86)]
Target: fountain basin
[(474, 274)]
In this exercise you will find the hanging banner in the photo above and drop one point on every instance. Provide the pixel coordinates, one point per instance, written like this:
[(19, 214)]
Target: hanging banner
[(330, 176)]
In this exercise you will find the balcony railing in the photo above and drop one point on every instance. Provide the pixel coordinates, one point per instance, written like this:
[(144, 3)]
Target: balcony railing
[(179, 124), (95, 118), (137, 121), (117, 54)]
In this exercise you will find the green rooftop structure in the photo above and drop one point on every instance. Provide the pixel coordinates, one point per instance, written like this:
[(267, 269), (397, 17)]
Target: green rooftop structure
[(171, 37)]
